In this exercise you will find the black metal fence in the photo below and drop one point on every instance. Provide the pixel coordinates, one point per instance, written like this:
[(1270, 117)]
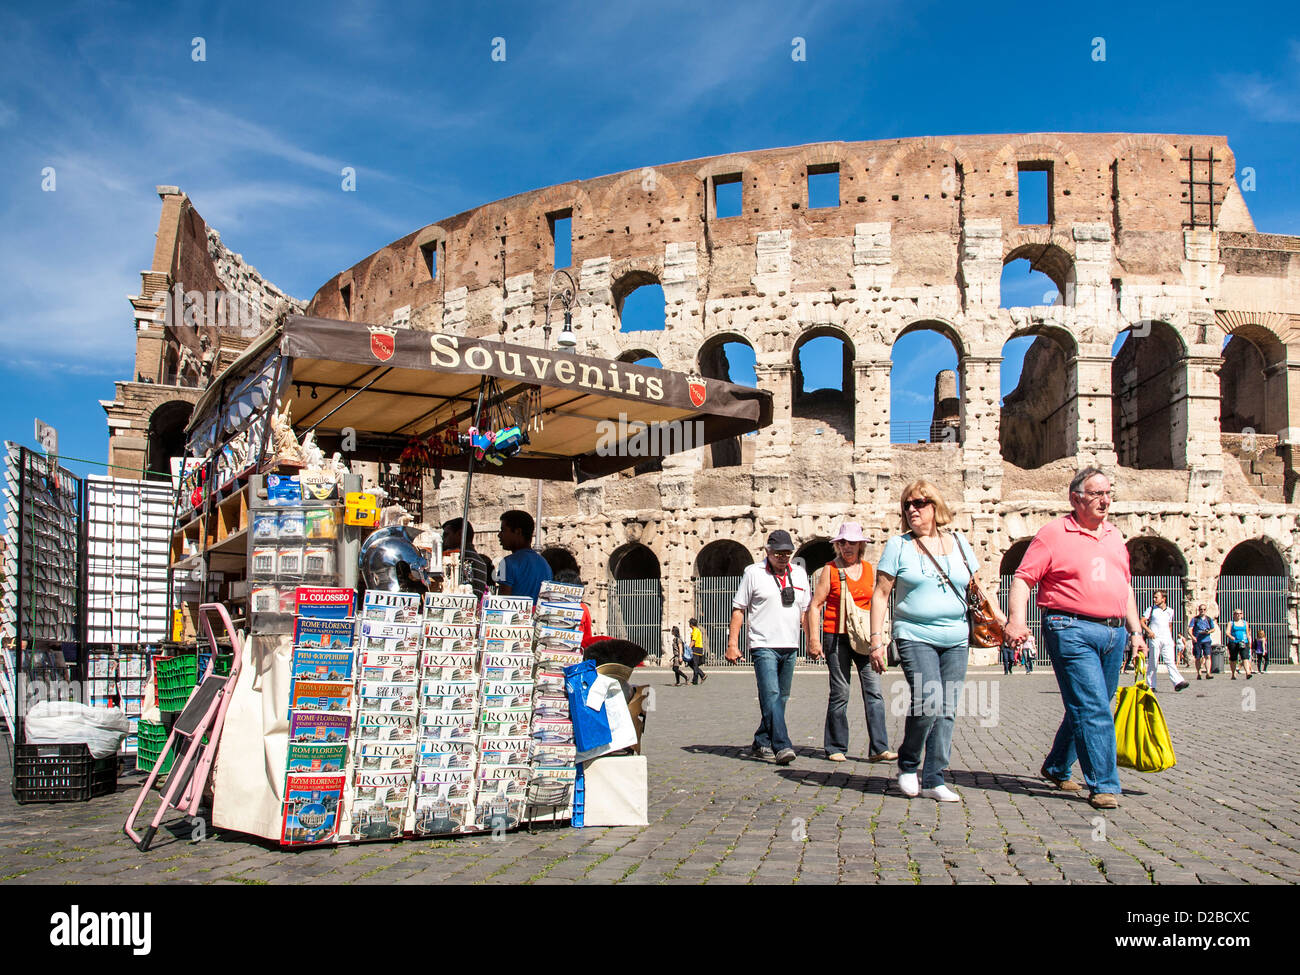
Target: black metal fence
[(1263, 601)]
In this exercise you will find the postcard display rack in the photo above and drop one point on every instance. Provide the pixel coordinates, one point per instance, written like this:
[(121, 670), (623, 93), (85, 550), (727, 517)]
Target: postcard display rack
[(428, 716)]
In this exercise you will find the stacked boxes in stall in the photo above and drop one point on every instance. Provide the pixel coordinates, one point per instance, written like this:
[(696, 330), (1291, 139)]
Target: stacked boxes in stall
[(128, 533), (447, 757), (293, 541), (387, 692), (559, 645), (501, 790), (320, 698)]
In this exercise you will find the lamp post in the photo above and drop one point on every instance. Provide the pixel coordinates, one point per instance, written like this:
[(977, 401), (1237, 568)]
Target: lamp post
[(567, 295)]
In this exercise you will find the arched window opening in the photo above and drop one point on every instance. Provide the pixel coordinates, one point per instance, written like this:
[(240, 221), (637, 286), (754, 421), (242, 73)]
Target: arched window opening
[(823, 392), (166, 438), (636, 598), (731, 358), (924, 388), (1152, 556), (1148, 398), (1037, 274), (1039, 400), (724, 558), (639, 301)]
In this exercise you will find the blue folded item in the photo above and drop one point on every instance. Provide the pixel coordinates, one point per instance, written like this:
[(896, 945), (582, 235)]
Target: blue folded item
[(590, 727)]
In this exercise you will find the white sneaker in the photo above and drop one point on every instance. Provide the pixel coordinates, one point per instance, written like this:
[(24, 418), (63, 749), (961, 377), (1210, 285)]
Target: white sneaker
[(910, 784), (941, 794)]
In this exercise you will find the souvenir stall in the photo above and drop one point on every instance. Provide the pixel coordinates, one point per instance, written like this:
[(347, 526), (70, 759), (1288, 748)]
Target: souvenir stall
[(377, 696)]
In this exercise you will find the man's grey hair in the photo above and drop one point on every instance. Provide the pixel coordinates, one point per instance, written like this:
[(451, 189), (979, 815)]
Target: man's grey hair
[(1083, 477)]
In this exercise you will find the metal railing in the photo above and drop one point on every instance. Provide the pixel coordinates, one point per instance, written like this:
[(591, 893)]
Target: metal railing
[(1263, 600), (636, 610)]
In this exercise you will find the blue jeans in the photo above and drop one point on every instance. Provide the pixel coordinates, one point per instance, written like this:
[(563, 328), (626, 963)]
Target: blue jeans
[(936, 675), (1086, 658), (840, 661), (774, 670)]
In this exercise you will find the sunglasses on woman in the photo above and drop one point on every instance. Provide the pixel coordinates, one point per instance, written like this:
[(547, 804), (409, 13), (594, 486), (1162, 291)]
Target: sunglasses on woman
[(916, 504)]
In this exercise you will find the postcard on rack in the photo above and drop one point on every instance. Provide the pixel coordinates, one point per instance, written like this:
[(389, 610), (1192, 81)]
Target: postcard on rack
[(497, 813), (382, 756), (320, 759), (502, 697), (557, 638), (513, 723), (308, 632), (552, 732), (437, 817), (315, 726), (377, 820), (323, 604), (503, 780), (391, 607), (501, 668), (449, 784), (551, 707), (404, 672), (388, 698), (450, 607), (437, 666), (380, 726), (508, 610), (447, 754), (448, 726), (553, 756), (310, 664), (311, 809), (561, 615), (504, 751), (562, 591), (446, 636), (331, 696)]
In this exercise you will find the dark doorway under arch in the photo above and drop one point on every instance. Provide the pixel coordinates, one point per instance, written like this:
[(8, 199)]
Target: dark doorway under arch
[(1253, 558), (1013, 557), (723, 558), (1152, 556), (815, 554), (560, 559), (166, 438)]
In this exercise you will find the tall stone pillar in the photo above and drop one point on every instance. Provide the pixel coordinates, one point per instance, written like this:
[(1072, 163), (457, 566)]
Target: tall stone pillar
[(981, 454), (1095, 437), (1194, 426), (771, 478), (873, 457), (1285, 379)]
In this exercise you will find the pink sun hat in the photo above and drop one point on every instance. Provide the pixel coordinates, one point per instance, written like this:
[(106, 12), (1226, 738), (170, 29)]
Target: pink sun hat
[(850, 531)]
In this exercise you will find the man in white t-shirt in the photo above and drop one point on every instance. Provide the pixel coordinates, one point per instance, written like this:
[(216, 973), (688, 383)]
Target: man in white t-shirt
[(1158, 624), (774, 594)]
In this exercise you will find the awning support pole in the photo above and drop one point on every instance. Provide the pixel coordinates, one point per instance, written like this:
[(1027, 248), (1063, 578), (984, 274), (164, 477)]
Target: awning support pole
[(469, 466)]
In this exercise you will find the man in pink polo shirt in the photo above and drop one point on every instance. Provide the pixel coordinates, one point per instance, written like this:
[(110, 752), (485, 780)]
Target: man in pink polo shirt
[(1081, 568)]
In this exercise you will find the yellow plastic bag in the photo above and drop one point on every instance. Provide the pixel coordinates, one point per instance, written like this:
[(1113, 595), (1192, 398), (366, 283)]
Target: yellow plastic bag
[(1141, 735)]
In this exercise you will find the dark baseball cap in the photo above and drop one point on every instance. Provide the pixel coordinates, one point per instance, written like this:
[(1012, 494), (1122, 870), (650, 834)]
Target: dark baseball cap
[(780, 541)]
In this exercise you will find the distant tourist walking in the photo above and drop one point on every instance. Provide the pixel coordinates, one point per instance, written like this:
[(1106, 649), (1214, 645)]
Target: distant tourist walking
[(846, 572), (1238, 637), (1201, 630), (1260, 649), (696, 651), (1081, 568), (1158, 625), (1028, 650), (775, 596), (679, 677), (1009, 655), (931, 569)]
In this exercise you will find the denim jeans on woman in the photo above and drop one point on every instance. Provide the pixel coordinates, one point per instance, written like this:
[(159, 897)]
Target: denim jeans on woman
[(935, 675), (840, 661), (1086, 658), (774, 671)]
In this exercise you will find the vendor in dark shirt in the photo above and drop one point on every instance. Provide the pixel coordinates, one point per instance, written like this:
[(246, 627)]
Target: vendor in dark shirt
[(522, 572)]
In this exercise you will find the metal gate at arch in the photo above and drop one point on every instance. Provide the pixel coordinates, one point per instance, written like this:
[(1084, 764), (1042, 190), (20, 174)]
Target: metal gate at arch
[(713, 598), (636, 609), (1263, 601)]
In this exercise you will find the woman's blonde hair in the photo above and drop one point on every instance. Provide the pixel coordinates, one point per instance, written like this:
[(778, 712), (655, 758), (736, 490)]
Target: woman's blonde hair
[(925, 489)]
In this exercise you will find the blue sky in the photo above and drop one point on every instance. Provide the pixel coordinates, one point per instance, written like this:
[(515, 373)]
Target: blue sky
[(109, 95)]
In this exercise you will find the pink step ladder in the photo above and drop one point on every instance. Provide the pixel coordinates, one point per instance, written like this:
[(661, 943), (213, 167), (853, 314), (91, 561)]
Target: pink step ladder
[(203, 717)]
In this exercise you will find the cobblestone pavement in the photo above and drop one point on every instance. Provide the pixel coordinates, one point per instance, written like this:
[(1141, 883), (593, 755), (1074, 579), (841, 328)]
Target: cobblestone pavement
[(1228, 813)]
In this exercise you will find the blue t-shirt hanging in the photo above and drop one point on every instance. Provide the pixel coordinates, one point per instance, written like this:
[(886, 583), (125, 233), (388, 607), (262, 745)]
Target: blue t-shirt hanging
[(926, 608)]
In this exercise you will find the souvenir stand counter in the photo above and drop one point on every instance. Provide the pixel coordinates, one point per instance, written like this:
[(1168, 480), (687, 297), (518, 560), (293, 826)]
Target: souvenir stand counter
[(371, 714)]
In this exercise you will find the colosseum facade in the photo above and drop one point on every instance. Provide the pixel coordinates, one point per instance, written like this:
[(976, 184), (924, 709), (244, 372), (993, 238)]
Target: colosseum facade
[(1145, 233)]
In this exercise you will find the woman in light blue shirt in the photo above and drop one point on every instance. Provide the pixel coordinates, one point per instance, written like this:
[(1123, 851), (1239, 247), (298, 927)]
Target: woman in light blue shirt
[(927, 570)]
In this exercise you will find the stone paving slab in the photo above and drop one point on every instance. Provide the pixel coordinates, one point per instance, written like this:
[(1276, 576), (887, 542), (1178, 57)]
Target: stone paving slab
[(1227, 813)]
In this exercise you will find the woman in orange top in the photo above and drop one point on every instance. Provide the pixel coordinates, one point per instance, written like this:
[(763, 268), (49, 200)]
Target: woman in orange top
[(849, 544)]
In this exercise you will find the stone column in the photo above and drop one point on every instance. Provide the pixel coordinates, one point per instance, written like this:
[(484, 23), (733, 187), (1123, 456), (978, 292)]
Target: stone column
[(1194, 426), (1284, 383), (771, 478), (873, 457), (981, 264), (981, 454), (1094, 438)]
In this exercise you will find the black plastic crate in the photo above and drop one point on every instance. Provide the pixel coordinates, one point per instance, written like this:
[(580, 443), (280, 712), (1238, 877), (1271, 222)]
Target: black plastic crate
[(62, 773)]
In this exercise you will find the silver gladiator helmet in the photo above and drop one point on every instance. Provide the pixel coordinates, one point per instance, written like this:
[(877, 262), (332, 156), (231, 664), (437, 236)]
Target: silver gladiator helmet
[(389, 562)]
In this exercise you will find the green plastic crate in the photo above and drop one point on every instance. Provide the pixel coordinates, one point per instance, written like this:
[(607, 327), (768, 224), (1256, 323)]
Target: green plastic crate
[(176, 679), (149, 745)]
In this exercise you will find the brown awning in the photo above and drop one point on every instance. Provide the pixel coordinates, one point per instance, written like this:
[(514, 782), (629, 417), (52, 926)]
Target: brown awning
[(389, 385)]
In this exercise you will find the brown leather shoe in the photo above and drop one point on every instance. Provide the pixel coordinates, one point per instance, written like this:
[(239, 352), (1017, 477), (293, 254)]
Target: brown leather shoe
[(1065, 785), (885, 756), (1104, 800)]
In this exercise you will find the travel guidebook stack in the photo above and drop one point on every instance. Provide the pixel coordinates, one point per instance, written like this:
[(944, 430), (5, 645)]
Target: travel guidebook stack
[(559, 645), (447, 754), (320, 702), (507, 695), (387, 694)]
